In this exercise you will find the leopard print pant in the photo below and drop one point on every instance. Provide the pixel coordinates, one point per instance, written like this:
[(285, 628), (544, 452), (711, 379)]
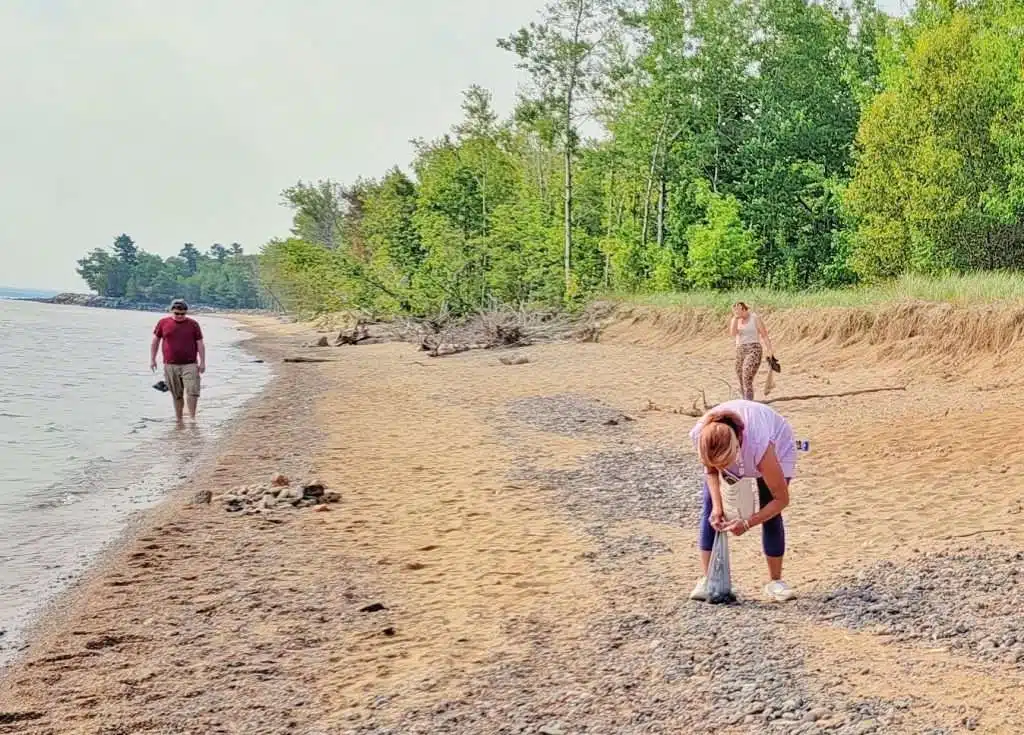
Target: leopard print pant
[(748, 361)]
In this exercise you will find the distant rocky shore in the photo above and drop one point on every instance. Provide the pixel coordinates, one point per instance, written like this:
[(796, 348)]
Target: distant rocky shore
[(111, 302)]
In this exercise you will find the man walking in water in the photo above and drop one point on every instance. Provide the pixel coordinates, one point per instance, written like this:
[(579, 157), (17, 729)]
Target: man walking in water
[(184, 357)]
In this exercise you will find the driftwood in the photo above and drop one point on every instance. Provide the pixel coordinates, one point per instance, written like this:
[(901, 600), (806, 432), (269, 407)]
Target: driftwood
[(982, 532), (352, 336), (493, 329), (514, 360), (308, 359), (367, 333), (696, 411), (446, 349), (813, 396)]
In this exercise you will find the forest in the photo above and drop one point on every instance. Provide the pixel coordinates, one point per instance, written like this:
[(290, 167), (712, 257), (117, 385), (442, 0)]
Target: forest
[(672, 147), (223, 276)]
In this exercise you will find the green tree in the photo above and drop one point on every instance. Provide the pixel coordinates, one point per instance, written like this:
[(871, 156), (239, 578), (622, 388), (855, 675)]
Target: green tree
[(563, 56), (723, 253), (218, 252), (319, 211), (95, 270), (190, 255), (933, 186), (126, 250), (147, 278)]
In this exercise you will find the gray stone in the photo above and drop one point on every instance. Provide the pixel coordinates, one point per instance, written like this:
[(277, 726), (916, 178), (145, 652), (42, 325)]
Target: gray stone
[(818, 713)]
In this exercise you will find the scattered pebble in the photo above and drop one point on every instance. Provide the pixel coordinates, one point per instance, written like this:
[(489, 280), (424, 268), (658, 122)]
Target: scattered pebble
[(644, 482), (202, 497), (567, 414), (966, 600), (650, 663)]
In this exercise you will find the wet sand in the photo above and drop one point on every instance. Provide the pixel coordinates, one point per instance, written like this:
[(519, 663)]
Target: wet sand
[(515, 543)]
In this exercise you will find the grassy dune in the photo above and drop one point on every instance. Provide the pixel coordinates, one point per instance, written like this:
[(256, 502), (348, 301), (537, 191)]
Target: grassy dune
[(962, 290)]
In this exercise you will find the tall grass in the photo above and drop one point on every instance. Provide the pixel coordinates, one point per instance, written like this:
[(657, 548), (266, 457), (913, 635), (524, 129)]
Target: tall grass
[(962, 290)]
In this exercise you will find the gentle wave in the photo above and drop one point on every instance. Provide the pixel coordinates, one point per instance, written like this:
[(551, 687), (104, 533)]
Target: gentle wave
[(86, 442)]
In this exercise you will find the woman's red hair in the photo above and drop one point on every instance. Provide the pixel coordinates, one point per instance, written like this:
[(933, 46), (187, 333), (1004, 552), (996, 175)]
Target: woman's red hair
[(720, 439)]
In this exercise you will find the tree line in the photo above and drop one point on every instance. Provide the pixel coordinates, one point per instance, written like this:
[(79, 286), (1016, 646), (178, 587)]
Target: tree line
[(666, 145), (224, 276)]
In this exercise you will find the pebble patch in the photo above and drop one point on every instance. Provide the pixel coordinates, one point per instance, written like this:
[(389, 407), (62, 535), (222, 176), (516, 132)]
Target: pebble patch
[(967, 600)]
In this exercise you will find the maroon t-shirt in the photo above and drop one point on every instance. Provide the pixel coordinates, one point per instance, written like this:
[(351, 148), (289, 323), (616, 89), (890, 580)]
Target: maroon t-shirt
[(179, 340)]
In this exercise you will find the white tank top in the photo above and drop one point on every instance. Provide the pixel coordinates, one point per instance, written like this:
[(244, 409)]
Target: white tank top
[(747, 333)]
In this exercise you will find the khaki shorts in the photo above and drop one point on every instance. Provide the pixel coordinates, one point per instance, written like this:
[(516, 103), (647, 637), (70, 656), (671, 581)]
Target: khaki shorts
[(182, 380)]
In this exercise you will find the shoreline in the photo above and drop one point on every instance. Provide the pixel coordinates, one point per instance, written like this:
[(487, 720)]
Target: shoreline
[(93, 301), (514, 548), (272, 433), (49, 613)]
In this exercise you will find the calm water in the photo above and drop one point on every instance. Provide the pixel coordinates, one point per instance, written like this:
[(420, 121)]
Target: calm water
[(85, 441)]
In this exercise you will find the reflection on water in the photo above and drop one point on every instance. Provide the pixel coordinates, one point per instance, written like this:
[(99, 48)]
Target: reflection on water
[(85, 441)]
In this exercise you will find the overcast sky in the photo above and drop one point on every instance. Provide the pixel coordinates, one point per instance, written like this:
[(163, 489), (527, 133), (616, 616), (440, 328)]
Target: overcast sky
[(182, 121)]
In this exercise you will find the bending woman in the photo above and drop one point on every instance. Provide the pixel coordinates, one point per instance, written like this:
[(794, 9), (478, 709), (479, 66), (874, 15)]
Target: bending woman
[(750, 334), (746, 439)]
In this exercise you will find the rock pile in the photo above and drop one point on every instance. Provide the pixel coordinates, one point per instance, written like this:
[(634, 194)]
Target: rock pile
[(278, 494)]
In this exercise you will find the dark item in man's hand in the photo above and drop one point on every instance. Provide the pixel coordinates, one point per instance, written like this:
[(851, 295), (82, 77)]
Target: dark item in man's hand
[(161, 386), (774, 364)]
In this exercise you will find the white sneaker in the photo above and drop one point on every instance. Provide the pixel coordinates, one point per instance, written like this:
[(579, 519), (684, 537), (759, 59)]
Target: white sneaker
[(779, 591), (700, 592)]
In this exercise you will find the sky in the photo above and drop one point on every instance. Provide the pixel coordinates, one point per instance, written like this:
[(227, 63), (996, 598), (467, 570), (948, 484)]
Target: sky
[(182, 122)]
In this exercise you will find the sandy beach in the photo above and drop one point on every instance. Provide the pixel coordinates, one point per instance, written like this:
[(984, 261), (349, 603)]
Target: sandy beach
[(514, 545)]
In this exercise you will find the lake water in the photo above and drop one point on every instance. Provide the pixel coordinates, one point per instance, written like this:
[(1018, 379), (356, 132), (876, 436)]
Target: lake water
[(85, 441)]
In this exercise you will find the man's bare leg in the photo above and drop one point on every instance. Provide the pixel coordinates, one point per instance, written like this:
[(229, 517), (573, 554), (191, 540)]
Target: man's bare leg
[(179, 409), (193, 402)]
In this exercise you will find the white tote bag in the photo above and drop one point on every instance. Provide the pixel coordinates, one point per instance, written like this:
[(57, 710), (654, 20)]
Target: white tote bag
[(739, 496)]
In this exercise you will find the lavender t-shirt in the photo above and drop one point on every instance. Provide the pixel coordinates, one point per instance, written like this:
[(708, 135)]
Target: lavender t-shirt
[(764, 426)]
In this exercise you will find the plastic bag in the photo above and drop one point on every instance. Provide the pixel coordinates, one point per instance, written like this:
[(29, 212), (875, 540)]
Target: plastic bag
[(719, 574)]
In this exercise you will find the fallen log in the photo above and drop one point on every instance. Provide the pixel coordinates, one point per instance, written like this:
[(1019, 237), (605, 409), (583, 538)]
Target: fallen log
[(814, 396), (308, 359), (352, 336), (445, 350)]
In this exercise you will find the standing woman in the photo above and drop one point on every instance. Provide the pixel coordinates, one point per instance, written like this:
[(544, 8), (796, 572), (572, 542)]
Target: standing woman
[(750, 334), (737, 440)]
